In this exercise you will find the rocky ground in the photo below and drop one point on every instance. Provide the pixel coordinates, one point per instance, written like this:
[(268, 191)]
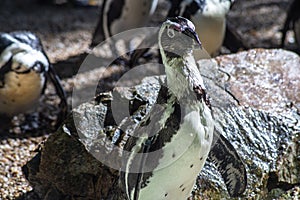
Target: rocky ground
[(66, 31)]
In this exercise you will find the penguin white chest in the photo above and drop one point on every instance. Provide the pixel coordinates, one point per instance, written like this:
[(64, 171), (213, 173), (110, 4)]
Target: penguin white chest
[(135, 14), (211, 31), (183, 158), (21, 92)]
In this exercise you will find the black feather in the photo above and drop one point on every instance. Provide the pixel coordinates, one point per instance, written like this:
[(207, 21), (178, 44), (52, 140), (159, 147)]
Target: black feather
[(223, 155)]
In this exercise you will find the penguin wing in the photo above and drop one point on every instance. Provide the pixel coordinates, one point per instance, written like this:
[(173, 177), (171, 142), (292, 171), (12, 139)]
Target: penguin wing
[(139, 159), (4, 70), (53, 77), (136, 167), (229, 164)]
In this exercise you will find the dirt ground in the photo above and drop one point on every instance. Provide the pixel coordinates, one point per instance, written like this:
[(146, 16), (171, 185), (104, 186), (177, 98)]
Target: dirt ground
[(66, 31)]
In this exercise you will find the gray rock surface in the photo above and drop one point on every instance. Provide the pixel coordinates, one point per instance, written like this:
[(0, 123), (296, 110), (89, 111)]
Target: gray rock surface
[(255, 101)]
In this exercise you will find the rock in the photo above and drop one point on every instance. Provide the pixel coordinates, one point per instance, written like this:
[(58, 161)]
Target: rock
[(256, 107)]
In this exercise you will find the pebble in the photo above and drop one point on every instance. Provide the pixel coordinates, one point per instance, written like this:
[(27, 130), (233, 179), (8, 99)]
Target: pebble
[(14, 153)]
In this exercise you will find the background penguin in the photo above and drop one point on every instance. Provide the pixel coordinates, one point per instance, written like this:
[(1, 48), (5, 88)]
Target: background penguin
[(24, 70), (120, 15), (209, 17)]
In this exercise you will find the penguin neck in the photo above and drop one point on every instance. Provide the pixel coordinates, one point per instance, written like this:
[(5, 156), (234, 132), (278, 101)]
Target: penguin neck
[(182, 72)]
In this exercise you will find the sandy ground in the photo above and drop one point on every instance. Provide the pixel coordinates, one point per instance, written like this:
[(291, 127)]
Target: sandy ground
[(66, 31)]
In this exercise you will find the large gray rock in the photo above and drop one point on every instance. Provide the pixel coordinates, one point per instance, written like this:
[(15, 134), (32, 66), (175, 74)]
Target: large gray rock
[(255, 99)]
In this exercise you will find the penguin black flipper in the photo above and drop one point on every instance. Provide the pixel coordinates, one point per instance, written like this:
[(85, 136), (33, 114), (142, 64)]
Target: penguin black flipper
[(137, 164), (4, 41), (136, 179), (98, 35), (4, 70), (229, 164), (53, 77), (134, 161)]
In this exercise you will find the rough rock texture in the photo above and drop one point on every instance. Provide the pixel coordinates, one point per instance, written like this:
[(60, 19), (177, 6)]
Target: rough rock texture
[(256, 106)]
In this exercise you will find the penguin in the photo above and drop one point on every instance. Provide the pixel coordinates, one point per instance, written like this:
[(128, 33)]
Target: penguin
[(167, 150), (120, 15), (24, 71)]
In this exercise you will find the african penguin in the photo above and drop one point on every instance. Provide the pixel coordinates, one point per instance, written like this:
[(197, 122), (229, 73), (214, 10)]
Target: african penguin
[(120, 15), (166, 155), (24, 69)]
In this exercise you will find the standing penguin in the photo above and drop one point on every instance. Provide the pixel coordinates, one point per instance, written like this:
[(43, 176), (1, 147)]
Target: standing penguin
[(120, 15), (165, 153), (24, 69)]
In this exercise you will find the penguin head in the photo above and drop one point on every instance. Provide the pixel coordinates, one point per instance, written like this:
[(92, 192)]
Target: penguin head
[(25, 60), (177, 40), (20, 58), (177, 37)]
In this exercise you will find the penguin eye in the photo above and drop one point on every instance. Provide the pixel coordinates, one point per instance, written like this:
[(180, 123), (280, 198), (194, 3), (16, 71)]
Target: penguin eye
[(171, 33), (18, 68)]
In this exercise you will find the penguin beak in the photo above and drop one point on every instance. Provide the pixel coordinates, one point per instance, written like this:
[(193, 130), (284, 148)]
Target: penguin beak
[(186, 27), (191, 33)]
